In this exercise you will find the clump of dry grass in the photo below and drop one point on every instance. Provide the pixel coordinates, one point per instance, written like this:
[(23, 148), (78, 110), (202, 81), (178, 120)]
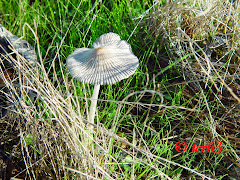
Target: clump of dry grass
[(53, 136), (207, 33)]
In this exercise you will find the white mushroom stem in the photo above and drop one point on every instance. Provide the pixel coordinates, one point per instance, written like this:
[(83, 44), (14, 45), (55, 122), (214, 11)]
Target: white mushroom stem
[(93, 106)]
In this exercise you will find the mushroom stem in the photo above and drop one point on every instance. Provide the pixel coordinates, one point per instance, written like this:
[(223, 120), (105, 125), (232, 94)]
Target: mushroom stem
[(93, 106)]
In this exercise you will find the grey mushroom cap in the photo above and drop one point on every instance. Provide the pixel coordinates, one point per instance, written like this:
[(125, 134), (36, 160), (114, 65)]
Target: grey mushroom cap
[(109, 61)]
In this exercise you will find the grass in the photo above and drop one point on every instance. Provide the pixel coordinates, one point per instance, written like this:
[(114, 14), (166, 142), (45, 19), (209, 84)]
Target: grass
[(139, 119)]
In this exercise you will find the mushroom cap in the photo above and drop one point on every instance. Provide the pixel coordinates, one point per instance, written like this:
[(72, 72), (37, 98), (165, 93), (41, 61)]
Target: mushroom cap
[(109, 61)]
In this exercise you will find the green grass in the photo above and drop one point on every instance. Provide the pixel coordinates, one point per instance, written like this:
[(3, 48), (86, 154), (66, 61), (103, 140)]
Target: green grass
[(149, 133)]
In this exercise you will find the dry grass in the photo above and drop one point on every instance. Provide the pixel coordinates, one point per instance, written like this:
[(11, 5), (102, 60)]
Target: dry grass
[(207, 33)]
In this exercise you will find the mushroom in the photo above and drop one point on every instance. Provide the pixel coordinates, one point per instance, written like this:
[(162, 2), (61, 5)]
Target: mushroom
[(109, 61)]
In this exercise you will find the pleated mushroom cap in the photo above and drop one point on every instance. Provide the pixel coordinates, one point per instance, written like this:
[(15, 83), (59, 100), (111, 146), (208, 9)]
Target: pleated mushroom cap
[(110, 61)]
